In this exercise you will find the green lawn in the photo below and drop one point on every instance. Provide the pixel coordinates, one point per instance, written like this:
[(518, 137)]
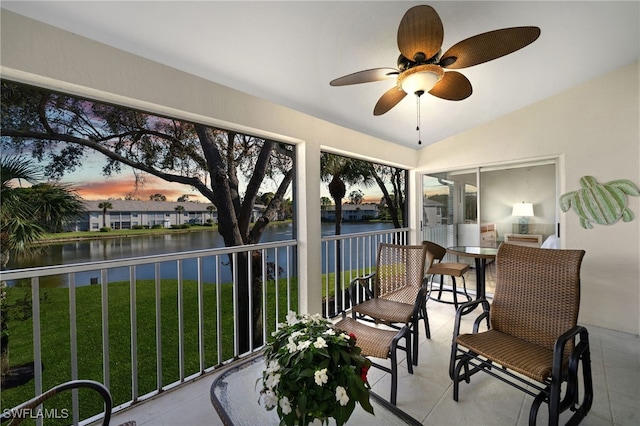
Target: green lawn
[(56, 341)]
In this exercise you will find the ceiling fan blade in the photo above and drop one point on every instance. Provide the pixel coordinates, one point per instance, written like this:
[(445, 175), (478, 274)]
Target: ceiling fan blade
[(420, 33), (366, 76), (453, 86), (390, 99), (488, 46)]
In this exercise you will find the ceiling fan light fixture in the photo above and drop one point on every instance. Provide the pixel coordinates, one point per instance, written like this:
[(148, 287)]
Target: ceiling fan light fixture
[(420, 79)]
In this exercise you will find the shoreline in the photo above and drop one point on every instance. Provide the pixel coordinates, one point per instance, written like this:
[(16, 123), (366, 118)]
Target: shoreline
[(123, 233)]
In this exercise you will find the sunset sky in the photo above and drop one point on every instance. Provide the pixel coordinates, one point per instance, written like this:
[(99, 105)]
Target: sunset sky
[(91, 184)]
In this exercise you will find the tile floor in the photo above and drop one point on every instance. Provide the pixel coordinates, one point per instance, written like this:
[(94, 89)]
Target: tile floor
[(427, 394)]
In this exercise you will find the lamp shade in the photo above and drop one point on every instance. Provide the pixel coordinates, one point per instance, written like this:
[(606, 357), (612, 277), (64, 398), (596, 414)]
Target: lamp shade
[(522, 209), (420, 79)]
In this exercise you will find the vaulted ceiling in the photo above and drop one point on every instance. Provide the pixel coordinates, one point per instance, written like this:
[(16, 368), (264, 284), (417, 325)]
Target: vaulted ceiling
[(287, 52)]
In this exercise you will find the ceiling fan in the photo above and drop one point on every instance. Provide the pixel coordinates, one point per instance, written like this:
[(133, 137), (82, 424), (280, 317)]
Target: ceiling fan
[(421, 66)]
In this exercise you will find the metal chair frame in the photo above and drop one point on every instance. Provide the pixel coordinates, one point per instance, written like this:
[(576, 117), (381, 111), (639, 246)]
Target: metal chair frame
[(450, 269), (383, 339), (371, 285), (16, 414), (568, 355)]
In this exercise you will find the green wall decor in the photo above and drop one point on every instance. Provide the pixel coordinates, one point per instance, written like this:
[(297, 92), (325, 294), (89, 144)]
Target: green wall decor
[(602, 203)]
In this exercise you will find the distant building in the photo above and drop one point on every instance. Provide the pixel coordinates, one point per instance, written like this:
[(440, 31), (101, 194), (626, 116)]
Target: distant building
[(127, 214), (432, 213), (351, 212)]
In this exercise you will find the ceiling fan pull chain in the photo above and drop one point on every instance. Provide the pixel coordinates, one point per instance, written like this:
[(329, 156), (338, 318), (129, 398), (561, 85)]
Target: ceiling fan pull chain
[(418, 119)]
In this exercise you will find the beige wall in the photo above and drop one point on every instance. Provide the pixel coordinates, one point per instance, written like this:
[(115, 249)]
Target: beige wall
[(593, 129)]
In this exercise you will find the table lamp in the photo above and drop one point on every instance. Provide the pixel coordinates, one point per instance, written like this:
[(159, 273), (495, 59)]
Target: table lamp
[(524, 211)]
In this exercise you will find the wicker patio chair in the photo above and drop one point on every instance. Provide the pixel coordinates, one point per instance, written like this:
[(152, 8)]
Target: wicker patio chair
[(21, 412), (380, 343), (532, 332), (395, 294), (451, 269)]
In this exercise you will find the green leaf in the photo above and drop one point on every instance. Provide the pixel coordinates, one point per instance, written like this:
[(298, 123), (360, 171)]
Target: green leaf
[(307, 372)]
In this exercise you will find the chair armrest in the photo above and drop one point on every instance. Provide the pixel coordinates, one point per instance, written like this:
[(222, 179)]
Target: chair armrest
[(361, 282), (561, 342), (468, 307)]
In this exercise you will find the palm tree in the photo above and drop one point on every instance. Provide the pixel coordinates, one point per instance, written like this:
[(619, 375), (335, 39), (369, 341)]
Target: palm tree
[(17, 228), (25, 215), (340, 171), (105, 205), (178, 209)]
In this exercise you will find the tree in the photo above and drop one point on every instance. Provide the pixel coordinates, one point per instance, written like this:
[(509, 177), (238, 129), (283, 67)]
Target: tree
[(183, 198), (179, 210), (340, 171), (157, 197), (394, 202), (356, 197), (59, 130), (25, 215), (325, 201), (105, 205), (266, 198)]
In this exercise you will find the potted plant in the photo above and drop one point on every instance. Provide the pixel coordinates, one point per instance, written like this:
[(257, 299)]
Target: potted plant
[(314, 372)]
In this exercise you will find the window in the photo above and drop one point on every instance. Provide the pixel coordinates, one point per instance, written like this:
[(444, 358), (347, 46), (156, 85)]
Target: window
[(167, 145)]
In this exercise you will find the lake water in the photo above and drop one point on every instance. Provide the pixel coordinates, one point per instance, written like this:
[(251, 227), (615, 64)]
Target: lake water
[(153, 244)]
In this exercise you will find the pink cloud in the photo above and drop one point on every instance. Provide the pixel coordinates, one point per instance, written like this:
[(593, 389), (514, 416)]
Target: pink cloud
[(119, 187)]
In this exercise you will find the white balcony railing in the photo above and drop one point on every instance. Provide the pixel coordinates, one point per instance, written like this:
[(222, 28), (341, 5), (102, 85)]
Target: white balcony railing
[(181, 312), (196, 290)]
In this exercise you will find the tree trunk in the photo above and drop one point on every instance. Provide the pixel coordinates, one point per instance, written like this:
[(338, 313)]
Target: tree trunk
[(337, 189)]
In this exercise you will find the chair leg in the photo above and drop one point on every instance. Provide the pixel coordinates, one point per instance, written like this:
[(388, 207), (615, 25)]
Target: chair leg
[(410, 362), (415, 342), (454, 290), (464, 288), (394, 372), (427, 329), (533, 413)]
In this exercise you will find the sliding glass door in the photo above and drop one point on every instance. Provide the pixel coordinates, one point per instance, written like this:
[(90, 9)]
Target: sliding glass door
[(450, 208), (474, 207)]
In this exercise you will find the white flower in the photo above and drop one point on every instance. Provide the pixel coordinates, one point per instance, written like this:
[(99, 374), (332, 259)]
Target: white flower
[(272, 380), (270, 399), (304, 345), (273, 366), (330, 332), (316, 422), (341, 395), (292, 318), (291, 346), (316, 318), (320, 343), (285, 405), (321, 377)]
